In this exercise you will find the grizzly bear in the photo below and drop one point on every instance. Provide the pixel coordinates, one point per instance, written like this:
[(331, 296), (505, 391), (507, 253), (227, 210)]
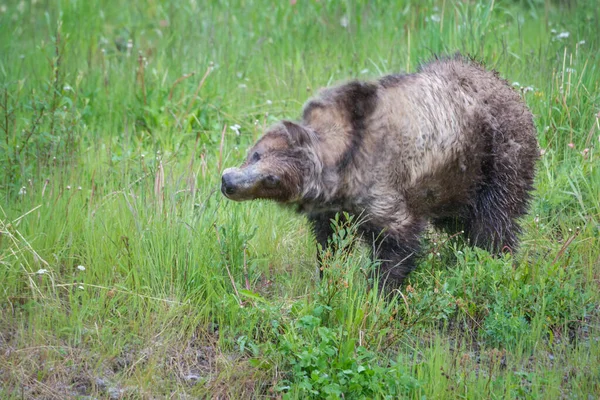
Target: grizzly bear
[(452, 145)]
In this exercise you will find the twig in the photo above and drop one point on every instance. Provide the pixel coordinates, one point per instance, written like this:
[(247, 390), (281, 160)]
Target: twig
[(246, 270), (178, 81), (142, 75), (227, 267), (564, 247), (32, 131), (221, 147), (208, 70), (67, 285)]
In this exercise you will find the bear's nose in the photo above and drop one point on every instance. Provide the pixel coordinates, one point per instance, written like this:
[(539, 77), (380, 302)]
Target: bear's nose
[(227, 186)]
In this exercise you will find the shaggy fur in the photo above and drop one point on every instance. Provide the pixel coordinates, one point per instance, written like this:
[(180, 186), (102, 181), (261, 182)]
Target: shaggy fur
[(452, 144)]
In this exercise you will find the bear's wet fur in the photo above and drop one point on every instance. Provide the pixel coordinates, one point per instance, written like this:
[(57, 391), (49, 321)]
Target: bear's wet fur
[(452, 144)]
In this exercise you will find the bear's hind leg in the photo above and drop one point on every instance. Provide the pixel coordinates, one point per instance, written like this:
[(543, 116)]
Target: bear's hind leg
[(493, 221)]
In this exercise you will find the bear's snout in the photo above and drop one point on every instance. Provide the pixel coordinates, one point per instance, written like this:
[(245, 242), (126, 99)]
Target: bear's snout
[(239, 184), (227, 183)]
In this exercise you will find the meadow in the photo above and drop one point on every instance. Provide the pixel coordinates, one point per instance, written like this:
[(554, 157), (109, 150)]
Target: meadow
[(124, 273)]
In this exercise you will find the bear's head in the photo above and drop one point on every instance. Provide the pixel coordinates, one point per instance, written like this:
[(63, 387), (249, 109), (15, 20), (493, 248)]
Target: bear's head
[(276, 166)]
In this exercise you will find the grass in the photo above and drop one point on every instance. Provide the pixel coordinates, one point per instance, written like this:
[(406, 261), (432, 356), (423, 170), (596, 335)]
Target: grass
[(125, 274)]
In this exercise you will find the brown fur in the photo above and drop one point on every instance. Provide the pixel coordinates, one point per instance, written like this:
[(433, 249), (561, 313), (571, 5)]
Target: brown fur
[(452, 144)]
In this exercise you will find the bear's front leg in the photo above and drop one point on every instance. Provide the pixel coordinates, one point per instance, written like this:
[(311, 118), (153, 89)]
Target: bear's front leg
[(321, 226)]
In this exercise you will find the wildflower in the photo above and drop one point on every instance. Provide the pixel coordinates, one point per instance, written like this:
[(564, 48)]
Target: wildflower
[(364, 71), (80, 287), (562, 35), (3, 9), (344, 21), (581, 42), (269, 102), (67, 88), (542, 152), (81, 267), (23, 191), (242, 86), (585, 152), (528, 89), (236, 128), (68, 187), (42, 271), (571, 145)]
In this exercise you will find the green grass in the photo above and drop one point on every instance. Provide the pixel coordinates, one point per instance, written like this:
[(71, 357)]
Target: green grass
[(111, 157)]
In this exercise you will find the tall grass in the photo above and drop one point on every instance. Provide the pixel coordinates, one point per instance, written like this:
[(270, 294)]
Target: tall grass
[(125, 274)]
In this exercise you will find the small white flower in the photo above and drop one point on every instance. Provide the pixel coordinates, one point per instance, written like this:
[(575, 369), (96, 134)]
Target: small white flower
[(528, 89), (571, 70), (3, 9), (235, 128), (364, 71), (562, 35), (80, 287), (269, 102), (68, 187), (81, 267), (516, 84), (42, 271), (242, 86), (23, 191), (581, 42), (344, 21), (67, 88)]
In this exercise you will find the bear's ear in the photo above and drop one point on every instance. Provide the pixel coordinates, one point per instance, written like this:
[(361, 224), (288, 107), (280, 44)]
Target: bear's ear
[(298, 135)]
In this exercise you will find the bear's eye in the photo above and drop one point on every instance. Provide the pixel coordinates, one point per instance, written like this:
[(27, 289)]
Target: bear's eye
[(255, 157), (271, 181)]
